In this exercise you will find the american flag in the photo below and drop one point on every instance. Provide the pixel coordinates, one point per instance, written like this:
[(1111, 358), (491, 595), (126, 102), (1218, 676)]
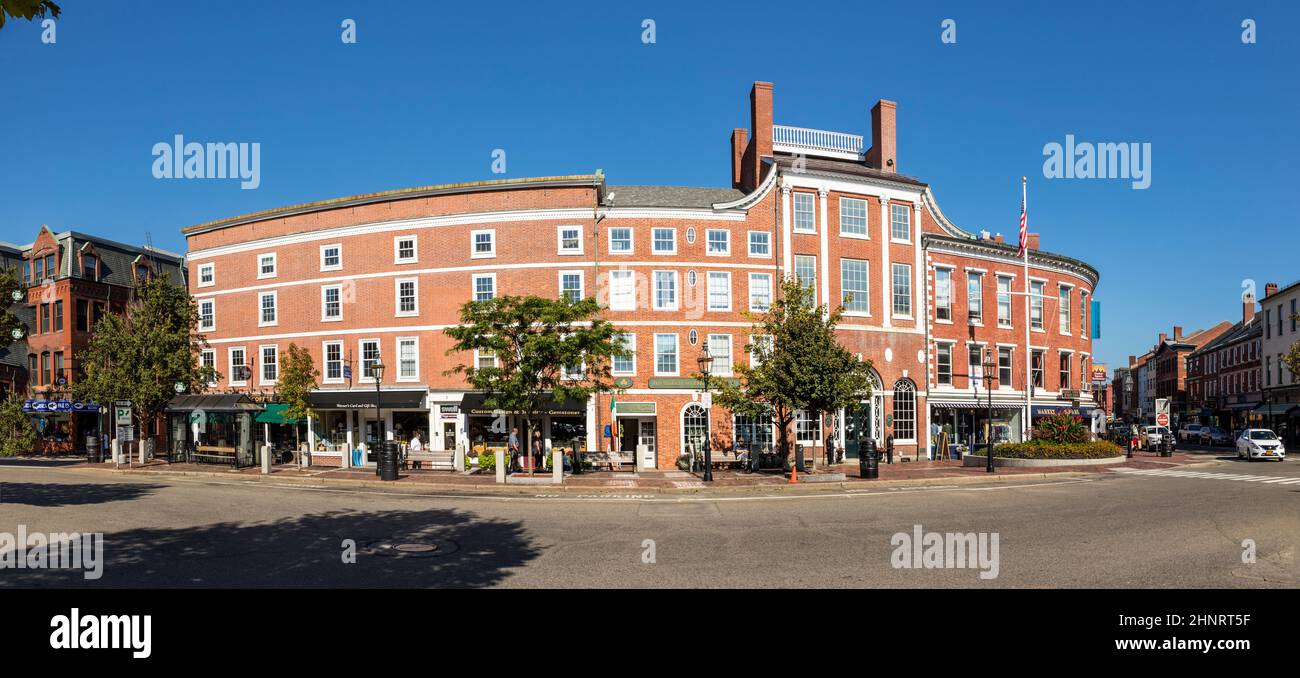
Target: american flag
[(1024, 228)]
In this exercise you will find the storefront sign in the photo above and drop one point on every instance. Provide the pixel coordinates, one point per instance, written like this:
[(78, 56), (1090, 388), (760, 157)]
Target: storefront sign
[(685, 382), (1054, 410), (53, 406), (634, 408), (122, 412), (1098, 374)]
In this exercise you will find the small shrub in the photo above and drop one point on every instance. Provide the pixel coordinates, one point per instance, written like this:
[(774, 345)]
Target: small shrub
[(1046, 449), (487, 461)]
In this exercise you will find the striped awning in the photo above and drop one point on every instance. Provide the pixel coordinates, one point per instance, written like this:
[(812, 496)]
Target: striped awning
[(967, 405)]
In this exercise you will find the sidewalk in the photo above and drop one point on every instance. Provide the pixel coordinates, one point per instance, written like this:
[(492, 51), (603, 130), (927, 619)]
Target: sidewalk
[(899, 474)]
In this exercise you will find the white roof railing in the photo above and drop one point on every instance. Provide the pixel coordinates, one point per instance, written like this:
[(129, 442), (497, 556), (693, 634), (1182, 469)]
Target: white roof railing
[(801, 140)]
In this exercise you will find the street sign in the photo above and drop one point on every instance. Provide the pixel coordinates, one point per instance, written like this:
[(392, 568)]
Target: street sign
[(126, 433), (122, 412), (1162, 419)]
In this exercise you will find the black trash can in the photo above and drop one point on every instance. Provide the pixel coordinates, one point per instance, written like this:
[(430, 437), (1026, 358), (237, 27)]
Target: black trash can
[(93, 453), (389, 454), (869, 461)]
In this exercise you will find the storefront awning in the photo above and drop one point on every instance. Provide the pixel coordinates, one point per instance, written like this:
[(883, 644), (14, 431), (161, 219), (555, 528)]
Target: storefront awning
[(1054, 410), (474, 404), (1274, 408), (365, 400), (974, 406), (228, 402), (1236, 407), (274, 414)]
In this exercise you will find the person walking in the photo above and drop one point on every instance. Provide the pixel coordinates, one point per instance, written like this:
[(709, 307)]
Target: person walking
[(539, 450), (513, 448)]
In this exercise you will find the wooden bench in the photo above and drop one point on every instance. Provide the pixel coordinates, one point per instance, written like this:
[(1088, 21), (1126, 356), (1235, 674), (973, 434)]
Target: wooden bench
[(614, 461), (216, 455), (418, 459)]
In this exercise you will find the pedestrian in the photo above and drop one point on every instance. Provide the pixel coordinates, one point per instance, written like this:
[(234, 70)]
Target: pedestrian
[(513, 444), (416, 445), (539, 450)]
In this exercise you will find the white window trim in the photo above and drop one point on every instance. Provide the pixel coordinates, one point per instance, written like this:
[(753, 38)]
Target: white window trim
[(212, 269), (397, 360), (910, 225), (335, 267), (632, 278), (1069, 307), (662, 253), (937, 268), (911, 293), (948, 345), (397, 297), (631, 241), (866, 215), (677, 350), (230, 365), (361, 377), (323, 317), (726, 252), (209, 352), (261, 364), (275, 265), (751, 293), (731, 352), (971, 320), (213, 326), (473, 244), (794, 212), (654, 291), (274, 294), (749, 244), (820, 423), (559, 240), (473, 285), (708, 292), (415, 249), (582, 282), (795, 271), (847, 312), (1011, 322), (478, 355), (632, 348), (324, 362)]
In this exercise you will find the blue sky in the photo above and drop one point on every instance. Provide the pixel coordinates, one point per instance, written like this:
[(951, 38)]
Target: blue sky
[(430, 89)]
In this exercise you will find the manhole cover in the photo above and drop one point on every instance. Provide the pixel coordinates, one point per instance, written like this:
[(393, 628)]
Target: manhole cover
[(427, 548)]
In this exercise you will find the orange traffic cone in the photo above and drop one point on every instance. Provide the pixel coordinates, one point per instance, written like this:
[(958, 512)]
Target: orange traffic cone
[(794, 474)]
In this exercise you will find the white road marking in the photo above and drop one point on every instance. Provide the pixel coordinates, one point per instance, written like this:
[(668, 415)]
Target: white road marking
[(1242, 477)]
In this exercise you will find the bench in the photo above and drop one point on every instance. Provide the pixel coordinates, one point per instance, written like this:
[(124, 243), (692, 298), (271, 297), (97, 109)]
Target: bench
[(613, 460), (211, 455), (417, 459), (723, 457)]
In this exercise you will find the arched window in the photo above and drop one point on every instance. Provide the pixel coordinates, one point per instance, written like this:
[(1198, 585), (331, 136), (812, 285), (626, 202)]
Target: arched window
[(904, 410), (695, 421)]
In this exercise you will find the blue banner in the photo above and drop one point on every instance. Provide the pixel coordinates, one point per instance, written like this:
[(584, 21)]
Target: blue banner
[(56, 406), (1096, 319)]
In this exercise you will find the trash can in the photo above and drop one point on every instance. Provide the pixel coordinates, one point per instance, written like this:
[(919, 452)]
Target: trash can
[(92, 449), (869, 461), (389, 454)]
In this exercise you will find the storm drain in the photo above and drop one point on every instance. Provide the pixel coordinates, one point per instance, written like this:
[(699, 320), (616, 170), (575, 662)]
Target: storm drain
[(423, 548)]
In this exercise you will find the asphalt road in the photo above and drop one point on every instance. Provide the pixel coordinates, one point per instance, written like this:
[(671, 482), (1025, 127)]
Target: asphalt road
[(1112, 530)]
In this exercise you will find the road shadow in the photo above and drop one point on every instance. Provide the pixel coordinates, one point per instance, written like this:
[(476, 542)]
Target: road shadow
[(72, 494), (307, 551), (29, 462)]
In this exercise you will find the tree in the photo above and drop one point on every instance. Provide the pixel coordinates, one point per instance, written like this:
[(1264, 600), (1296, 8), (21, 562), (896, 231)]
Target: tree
[(27, 9), (142, 355), (1292, 357), (17, 434), (533, 339), (297, 379), (9, 283), (798, 365)]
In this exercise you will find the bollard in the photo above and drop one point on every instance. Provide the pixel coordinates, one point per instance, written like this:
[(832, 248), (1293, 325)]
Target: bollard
[(116, 447), (798, 457), (889, 449), (869, 463), (388, 460), (458, 461), (1130, 447), (501, 465), (557, 465)]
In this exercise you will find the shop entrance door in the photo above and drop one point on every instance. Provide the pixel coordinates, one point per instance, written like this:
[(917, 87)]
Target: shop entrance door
[(448, 436), (630, 431), (857, 431)]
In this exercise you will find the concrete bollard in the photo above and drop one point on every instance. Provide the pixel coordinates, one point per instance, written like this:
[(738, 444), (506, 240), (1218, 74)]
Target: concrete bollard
[(266, 459), (458, 461), (501, 465), (557, 466), (117, 451)]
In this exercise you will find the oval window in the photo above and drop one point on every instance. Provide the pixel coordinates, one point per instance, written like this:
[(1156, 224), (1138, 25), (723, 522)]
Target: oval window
[(693, 337), (690, 278), (690, 234)]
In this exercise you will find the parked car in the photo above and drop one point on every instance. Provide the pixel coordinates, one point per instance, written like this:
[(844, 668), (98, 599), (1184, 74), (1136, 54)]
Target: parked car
[(1190, 433), (1213, 435), (1260, 443)]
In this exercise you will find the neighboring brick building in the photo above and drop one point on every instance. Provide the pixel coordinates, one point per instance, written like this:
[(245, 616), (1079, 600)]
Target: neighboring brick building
[(1281, 408), (379, 276), (13, 357), (1225, 379), (72, 280), (1166, 370)]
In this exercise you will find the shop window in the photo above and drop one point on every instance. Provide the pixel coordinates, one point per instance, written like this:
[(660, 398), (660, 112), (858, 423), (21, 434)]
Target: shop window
[(904, 410)]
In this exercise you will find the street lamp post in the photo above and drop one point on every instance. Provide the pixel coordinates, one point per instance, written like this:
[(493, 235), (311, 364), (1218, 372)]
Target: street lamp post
[(705, 362), (988, 386), (378, 371)]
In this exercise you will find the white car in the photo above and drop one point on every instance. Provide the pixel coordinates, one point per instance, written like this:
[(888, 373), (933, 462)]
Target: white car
[(1151, 436), (1260, 443), (1190, 433)]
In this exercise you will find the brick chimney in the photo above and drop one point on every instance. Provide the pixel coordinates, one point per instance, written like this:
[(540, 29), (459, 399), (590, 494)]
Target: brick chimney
[(1033, 241), (760, 126), (1163, 338), (884, 149), (1178, 333), (739, 140), (1132, 360), (1247, 308), (1270, 289)]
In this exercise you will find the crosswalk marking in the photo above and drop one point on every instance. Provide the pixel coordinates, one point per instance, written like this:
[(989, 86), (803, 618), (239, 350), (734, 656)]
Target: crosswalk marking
[(1205, 475)]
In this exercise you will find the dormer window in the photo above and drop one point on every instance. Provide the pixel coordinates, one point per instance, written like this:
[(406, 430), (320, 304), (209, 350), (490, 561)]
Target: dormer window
[(90, 266), (142, 273)]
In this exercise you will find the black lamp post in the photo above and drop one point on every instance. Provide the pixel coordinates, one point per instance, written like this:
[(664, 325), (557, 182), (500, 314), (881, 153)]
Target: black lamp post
[(989, 366), (705, 362), (378, 371)]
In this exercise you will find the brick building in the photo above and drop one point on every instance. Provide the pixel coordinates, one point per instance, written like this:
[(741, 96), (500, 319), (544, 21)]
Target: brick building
[(1281, 408), (13, 357), (377, 277), (1165, 370), (1225, 377), (72, 280)]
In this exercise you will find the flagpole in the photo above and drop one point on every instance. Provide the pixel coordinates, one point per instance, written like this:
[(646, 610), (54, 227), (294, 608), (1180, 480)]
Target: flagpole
[(1029, 359)]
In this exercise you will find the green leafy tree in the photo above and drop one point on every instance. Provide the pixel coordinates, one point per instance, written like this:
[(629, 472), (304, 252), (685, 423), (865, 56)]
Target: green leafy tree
[(297, 379), (797, 365), (9, 283), (17, 434), (141, 356), (1292, 357), (533, 340), (27, 9)]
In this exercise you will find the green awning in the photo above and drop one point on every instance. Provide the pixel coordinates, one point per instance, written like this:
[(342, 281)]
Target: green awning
[(274, 414)]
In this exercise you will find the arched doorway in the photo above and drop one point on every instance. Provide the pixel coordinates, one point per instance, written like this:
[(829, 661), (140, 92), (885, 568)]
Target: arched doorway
[(695, 426), (863, 423)]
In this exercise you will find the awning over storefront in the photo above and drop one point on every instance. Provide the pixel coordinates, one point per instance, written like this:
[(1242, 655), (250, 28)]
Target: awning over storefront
[(274, 414), (1054, 410), (1236, 407), (56, 406), (229, 402), (974, 406), (474, 405), (362, 399), (1274, 408)]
